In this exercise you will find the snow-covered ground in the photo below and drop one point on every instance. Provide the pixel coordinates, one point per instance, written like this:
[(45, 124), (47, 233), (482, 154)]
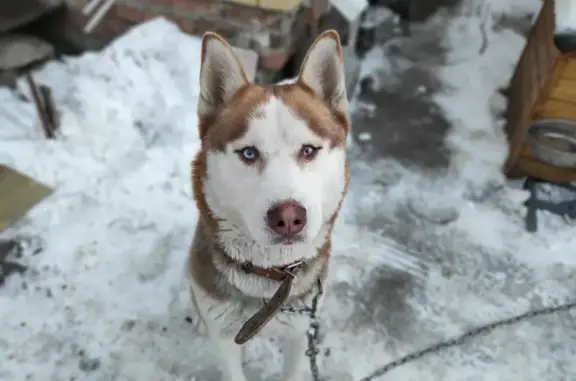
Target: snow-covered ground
[(105, 298), (565, 16)]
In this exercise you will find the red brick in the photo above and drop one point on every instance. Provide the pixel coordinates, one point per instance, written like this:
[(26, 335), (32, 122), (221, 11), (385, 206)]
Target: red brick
[(204, 6), (246, 14), (112, 27), (172, 6), (226, 29), (129, 13), (165, 3)]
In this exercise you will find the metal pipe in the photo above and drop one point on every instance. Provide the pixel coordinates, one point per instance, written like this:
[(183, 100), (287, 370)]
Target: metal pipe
[(91, 6), (98, 16)]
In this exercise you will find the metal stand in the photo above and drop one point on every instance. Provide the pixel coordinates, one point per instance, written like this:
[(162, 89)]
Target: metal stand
[(563, 208)]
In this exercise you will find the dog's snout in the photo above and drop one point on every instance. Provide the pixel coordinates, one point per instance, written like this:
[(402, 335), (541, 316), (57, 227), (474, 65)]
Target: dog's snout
[(287, 218)]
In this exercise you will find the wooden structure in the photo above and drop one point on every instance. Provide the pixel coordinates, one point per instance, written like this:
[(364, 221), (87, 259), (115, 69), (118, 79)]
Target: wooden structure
[(277, 5), (542, 87), (18, 195)]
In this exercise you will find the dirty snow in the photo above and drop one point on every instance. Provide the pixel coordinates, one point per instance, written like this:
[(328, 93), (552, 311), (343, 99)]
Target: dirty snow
[(104, 298), (565, 11)]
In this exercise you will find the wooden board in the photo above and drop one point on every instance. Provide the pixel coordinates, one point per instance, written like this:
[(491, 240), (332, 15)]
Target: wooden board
[(564, 90), (18, 194), (555, 109), (274, 5), (538, 70), (570, 70), (527, 164)]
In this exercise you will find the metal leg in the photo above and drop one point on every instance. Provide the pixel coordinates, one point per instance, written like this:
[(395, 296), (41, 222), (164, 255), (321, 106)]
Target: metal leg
[(532, 205), (562, 208)]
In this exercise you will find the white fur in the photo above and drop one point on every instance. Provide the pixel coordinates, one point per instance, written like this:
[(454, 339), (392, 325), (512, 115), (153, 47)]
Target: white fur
[(239, 195), (565, 11), (224, 319)]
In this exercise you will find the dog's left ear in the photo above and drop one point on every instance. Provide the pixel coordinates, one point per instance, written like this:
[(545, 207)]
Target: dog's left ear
[(323, 71)]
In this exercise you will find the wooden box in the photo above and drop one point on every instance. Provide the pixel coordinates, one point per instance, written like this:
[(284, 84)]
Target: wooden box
[(543, 87)]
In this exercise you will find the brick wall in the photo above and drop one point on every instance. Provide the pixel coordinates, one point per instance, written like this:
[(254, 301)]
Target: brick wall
[(273, 35)]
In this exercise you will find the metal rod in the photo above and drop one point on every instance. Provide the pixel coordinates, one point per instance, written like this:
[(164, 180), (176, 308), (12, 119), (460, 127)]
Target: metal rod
[(98, 16), (49, 108), (91, 6), (45, 121)]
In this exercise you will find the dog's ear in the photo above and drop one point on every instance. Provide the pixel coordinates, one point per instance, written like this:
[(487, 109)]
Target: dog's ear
[(323, 71), (221, 74)]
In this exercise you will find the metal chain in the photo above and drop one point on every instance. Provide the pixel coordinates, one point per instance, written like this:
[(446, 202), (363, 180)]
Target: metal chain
[(313, 334), (314, 328), (482, 330)]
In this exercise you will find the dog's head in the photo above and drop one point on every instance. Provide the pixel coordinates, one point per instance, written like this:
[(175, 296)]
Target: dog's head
[(272, 171)]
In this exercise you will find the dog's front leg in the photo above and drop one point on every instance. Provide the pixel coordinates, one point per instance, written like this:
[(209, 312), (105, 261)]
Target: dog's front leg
[(230, 357), (294, 349)]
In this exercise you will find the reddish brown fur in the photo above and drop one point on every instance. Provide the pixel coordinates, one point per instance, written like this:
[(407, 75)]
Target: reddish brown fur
[(322, 120), (203, 270), (230, 122)]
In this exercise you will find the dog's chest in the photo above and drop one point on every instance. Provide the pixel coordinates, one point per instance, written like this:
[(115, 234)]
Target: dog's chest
[(228, 316), (231, 316)]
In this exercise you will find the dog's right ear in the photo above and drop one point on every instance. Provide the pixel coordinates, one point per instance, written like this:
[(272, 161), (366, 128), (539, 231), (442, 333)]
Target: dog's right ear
[(221, 75)]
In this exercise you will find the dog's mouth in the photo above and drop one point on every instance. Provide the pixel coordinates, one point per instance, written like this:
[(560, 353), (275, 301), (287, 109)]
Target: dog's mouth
[(288, 240)]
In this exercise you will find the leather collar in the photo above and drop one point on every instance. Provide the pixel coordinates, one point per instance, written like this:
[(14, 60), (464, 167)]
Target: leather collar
[(278, 274), (275, 273)]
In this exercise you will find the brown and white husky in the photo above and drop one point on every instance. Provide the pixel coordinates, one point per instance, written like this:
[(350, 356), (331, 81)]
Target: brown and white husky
[(268, 183)]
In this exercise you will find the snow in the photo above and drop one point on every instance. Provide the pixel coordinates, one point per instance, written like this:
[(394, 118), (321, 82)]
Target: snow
[(364, 136), (105, 299), (565, 11), (117, 229)]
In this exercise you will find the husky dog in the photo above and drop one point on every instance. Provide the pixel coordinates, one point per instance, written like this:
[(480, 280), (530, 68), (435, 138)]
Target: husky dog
[(268, 182)]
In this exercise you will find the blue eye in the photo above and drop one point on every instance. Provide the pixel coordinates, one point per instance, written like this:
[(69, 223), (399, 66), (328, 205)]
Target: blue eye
[(308, 151), (248, 154)]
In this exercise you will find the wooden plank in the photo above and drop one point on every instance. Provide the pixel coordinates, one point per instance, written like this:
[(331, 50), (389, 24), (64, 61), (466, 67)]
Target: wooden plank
[(564, 90), (554, 77), (18, 195), (527, 92), (570, 70), (555, 109), (531, 166), (273, 5)]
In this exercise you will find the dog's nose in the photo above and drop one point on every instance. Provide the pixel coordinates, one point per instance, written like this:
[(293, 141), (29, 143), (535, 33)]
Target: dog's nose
[(287, 218)]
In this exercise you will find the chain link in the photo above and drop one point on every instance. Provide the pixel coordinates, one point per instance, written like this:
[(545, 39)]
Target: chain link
[(313, 335), (314, 330)]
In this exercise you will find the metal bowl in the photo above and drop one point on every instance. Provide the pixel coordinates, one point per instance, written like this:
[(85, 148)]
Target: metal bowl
[(553, 141)]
